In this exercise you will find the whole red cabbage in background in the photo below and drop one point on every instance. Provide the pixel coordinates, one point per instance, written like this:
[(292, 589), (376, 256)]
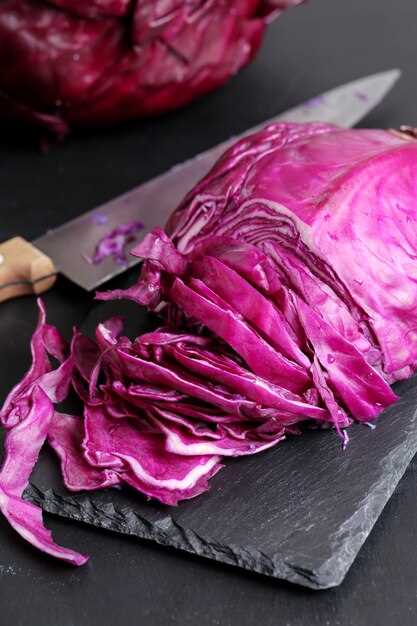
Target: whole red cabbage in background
[(73, 62)]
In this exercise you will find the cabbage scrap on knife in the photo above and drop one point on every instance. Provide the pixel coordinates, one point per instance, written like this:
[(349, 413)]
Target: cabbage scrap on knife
[(286, 285)]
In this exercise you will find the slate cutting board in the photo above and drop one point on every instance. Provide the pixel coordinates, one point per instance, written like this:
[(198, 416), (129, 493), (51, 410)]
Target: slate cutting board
[(299, 512)]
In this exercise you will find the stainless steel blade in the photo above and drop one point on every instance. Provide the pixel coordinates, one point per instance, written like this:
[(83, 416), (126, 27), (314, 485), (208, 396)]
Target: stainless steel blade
[(71, 244)]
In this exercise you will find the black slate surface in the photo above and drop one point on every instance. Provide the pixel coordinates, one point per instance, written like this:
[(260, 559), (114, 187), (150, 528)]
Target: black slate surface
[(299, 512)]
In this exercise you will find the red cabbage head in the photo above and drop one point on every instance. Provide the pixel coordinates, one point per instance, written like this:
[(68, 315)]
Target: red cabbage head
[(71, 62)]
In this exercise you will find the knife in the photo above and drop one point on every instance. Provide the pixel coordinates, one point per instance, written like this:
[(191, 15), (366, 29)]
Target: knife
[(32, 267)]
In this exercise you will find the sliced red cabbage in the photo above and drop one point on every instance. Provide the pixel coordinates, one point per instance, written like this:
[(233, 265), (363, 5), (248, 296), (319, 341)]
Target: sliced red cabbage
[(16, 406), (286, 285), (261, 358), (65, 436), (260, 312), (139, 369), (363, 390), (22, 446), (142, 460), (180, 441)]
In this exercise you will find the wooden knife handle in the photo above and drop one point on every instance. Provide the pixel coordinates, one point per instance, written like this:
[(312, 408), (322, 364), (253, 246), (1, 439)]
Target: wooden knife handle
[(24, 269)]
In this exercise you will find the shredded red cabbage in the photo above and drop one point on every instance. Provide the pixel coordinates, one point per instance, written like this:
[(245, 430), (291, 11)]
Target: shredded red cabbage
[(113, 244)]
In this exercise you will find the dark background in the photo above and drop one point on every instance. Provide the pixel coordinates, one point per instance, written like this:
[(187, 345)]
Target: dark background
[(309, 50)]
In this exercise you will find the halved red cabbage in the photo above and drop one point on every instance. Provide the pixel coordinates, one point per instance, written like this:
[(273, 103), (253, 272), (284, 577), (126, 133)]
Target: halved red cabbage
[(342, 202), (287, 289)]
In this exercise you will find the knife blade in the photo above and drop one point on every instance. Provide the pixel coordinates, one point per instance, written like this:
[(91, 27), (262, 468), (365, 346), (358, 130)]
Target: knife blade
[(26, 267)]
